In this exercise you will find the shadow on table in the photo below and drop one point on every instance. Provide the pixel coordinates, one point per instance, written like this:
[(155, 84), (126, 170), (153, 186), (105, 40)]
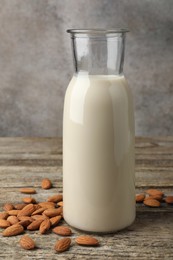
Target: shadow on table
[(150, 219)]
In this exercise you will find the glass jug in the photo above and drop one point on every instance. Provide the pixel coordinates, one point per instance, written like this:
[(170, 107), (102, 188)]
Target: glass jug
[(98, 135)]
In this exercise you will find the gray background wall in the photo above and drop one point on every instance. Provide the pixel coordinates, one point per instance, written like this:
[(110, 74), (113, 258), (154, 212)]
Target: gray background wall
[(36, 62)]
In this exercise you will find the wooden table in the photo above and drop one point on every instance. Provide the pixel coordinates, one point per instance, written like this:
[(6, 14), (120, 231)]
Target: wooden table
[(25, 161)]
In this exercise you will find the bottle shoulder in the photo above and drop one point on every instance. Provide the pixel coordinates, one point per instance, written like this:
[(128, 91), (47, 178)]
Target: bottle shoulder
[(98, 87)]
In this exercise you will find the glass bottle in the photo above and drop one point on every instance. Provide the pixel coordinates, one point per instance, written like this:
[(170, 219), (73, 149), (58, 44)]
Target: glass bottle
[(98, 135)]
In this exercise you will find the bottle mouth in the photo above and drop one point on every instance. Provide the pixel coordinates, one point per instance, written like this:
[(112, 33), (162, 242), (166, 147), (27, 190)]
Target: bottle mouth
[(94, 33), (98, 31)]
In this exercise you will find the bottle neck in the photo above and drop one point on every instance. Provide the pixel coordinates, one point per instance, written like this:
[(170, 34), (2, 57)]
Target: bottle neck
[(98, 54)]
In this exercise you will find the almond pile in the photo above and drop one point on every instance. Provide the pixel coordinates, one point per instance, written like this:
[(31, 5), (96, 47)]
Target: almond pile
[(153, 198), (44, 217)]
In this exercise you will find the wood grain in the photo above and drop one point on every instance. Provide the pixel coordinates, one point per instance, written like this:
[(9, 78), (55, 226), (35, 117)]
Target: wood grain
[(25, 161)]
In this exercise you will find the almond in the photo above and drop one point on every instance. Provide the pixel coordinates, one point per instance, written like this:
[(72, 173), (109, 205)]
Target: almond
[(52, 212), (19, 206), (39, 217), (4, 223), (27, 243), (62, 230), (62, 244), (55, 198), (27, 210), (87, 241), (37, 206), (21, 218), (60, 203), (47, 205), (46, 184), (13, 220), (35, 225), (14, 212), (25, 223), (45, 226), (29, 200), (28, 190), (156, 197), (55, 220), (4, 215), (153, 192), (8, 206), (152, 203), (169, 199), (140, 198), (13, 230), (38, 211)]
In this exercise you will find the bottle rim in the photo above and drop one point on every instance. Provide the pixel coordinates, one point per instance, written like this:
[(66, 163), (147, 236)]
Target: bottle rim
[(98, 31)]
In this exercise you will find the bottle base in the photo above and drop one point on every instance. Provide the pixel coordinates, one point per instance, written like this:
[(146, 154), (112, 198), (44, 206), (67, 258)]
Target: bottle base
[(100, 232)]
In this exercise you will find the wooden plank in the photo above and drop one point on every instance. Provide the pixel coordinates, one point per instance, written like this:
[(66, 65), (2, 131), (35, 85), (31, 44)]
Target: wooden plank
[(28, 176), (145, 177), (13, 145), (30, 162)]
